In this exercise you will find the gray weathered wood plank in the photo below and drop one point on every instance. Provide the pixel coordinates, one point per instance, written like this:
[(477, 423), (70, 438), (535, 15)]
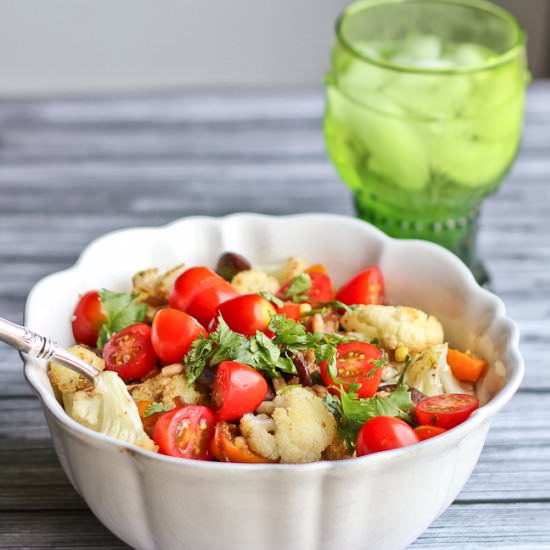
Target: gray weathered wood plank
[(72, 169)]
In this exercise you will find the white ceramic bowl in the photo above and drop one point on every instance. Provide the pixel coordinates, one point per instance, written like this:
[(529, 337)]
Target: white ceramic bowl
[(381, 501)]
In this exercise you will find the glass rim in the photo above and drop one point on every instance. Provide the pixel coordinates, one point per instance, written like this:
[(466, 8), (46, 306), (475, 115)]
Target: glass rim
[(500, 59)]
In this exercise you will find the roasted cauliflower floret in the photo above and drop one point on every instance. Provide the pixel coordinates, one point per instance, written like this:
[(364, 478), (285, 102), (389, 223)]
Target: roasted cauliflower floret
[(258, 431), (252, 281), (108, 409), (152, 288), (395, 326), (167, 387), (430, 373), (291, 268), (65, 380), (299, 430)]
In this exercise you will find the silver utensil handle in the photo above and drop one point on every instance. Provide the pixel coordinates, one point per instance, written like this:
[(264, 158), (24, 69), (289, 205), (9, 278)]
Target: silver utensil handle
[(34, 345)]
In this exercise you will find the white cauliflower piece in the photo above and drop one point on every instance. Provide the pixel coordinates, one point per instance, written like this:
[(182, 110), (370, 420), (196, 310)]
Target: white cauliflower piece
[(258, 431), (166, 389), (152, 288), (252, 281), (108, 409), (291, 268), (395, 326), (300, 430), (65, 380), (430, 373)]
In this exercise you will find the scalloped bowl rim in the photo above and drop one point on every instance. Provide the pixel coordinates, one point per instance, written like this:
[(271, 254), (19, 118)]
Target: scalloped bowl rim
[(444, 440)]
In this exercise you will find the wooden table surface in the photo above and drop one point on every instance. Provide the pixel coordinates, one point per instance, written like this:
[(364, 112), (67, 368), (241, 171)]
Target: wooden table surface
[(73, 169)]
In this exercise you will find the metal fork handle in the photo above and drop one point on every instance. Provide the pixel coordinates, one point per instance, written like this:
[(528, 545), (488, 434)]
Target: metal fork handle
[(38, 346)]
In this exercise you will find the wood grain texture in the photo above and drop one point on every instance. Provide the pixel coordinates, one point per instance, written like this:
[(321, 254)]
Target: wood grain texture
[(73, 169)]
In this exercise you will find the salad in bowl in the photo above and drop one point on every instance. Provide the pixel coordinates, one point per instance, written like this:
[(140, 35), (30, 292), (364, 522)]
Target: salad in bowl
[(244, 426), (252, 364)]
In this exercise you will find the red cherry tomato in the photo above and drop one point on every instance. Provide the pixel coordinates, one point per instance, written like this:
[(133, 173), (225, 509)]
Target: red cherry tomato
[(367, 287), (354, 366), (290, 310), (185, 432), (173, 332), (320, 290), (426, 432), (87, 319), (199, 292), (238, 389), (226, 446), (446, 410), (130, 352), (248, 313), (383, 433)]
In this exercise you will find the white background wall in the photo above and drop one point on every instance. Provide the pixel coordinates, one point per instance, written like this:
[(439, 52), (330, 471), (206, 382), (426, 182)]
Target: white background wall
[(87, 45), (49, 46)]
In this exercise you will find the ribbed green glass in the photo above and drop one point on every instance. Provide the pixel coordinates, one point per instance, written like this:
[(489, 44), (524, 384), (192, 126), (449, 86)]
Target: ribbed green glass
[(424, 109)]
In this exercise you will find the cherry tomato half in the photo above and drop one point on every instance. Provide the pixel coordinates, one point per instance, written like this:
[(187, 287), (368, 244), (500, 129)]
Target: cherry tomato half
[(320, 290), (87, 319), (227, 446), (367, 287), (354, 366), (248, 313), (383, 433), (238, 389), (130, 352), (446, 410), (185, 432), (426, 432), (173, 332), (199, 291)]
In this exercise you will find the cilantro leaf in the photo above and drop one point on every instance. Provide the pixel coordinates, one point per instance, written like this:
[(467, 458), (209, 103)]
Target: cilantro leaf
[(299, 285), (121, 310), (258, 352), (272, 298), (155, 408)]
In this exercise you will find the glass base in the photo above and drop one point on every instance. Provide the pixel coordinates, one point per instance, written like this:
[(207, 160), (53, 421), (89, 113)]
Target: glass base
[(457, 233)]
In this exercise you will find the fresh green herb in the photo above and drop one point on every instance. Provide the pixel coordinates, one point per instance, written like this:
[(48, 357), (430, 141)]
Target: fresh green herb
[(155, 408), (378, 364), (375, 341), (121, 310), (324, 307), (355, 411), (223, 344), (298, 287), (293, 338), (272, 298)]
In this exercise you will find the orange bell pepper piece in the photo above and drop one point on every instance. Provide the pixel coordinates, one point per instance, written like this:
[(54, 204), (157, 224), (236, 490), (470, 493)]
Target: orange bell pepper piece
[(465, 367)]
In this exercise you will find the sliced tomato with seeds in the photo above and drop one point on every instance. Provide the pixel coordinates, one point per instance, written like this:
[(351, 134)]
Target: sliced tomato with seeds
[(185, 432), (354, 365), (228, 446), (446, 410), (88, 317), (130, 352), (367, 287)]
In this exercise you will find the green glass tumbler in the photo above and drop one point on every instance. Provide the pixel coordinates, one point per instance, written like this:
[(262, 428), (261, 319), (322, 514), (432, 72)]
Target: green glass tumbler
[(424, 109)]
